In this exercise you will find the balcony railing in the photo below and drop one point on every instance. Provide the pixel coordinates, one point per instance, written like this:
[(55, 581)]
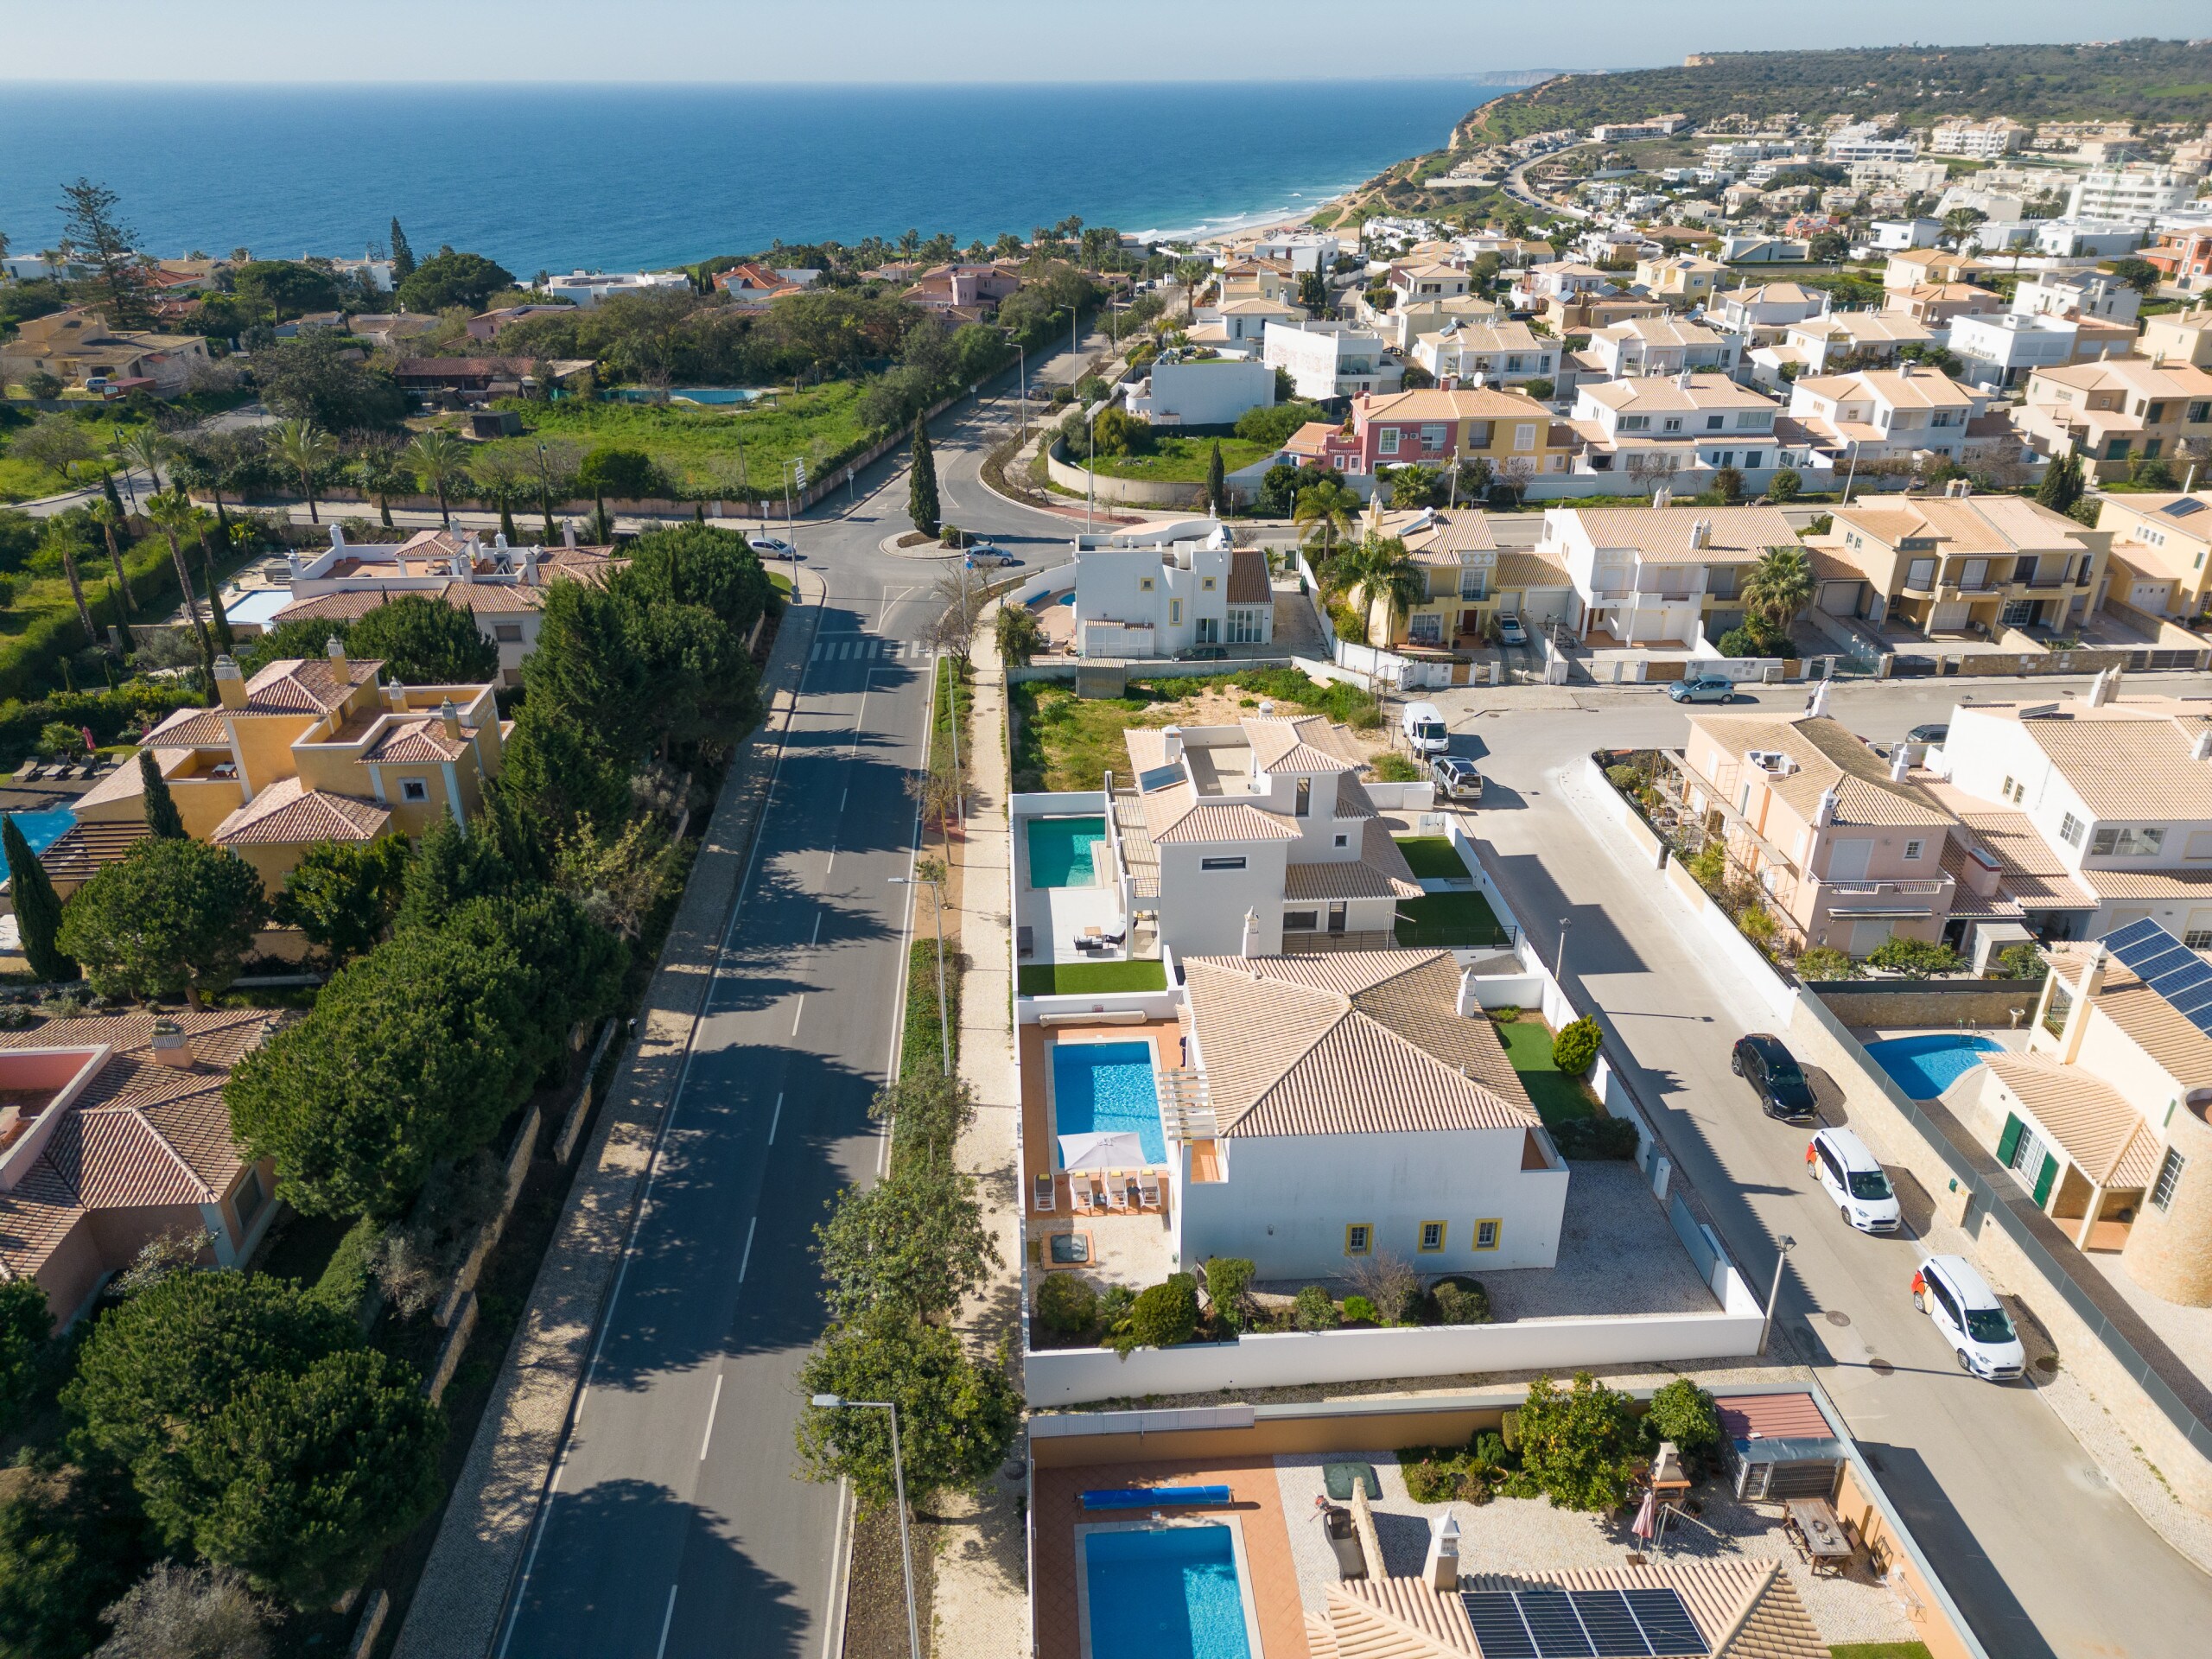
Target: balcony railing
[(1877, 889)]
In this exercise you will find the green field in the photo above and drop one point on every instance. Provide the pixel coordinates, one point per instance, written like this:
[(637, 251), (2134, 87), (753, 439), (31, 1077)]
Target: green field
[(1433, 858), (1556, 1096), (22, 479), (1178, 460), (1092, 978), (738, 452), (1444, 921)]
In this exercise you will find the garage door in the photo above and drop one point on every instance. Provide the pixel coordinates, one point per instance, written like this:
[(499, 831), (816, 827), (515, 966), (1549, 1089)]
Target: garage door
[(1545, 607), (2150, 596), (1839, 598), (1950, 619)]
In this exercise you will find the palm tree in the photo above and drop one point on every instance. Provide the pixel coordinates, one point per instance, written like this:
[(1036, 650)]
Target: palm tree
[(440, 461), (149, 449), (65, 536), (108, 516), (1331, 505), (384, 477), (173, 515), (1780, 585), (306, 449), (1382, 573)]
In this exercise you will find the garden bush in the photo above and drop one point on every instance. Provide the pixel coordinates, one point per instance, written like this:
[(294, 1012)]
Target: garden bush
[(1824, 961), (1314, 1309), (1577, 1445), (1595, 1137), (1575, 1049), (1229, 1280), (1914, 958), (1066, 1305), (1433, 1472), (1163, 1316), (1359, 1309), (1685, 1414), (1397, 769), (2020, 962), (1460, 1301)]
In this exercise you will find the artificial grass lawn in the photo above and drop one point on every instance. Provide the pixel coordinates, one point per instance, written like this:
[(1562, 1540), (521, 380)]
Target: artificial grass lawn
[(1433, 858), (1557, 1096), (1881, 1650), (1092, 978), (1178, 460), (735, 450), (1439, 921)]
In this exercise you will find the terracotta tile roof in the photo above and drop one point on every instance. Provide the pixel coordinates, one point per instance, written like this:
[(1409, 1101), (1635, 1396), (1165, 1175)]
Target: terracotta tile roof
[(1379, 872), (494, 598), (1662, 535), (1525, 571), (124, 783), (199, 728), (1666, 391), (2100, 1133), (1973, 523), (2109, 884), (1827, 756), (1180, 813), (2155, 1025), (1353, 799), (82, 851), (1771, 1416), (349, 606), (306, 685), (1307, 743), (1437, 405), (419, 739), (2124, 766), (1348, 1043), (1247, 577), (289, 814), (1454, 532)]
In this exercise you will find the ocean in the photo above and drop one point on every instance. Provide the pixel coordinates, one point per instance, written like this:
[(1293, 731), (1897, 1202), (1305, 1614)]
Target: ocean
[(559, 177)]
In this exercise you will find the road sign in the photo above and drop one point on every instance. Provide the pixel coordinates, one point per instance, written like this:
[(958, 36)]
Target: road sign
[(802, 473)]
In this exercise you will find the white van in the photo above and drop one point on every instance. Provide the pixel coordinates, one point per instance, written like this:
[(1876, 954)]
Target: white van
[(1969, 1317), (1424, 728), (1850, 1174)]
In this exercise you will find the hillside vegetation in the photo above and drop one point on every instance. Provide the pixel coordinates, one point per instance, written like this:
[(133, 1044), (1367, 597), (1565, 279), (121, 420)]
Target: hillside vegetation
[(2141, 80)]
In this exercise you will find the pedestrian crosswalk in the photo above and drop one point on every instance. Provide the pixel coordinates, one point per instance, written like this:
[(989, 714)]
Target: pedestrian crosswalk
[(852, 647)]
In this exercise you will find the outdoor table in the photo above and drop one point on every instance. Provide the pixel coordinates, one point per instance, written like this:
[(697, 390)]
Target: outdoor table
[(1817, 1528)]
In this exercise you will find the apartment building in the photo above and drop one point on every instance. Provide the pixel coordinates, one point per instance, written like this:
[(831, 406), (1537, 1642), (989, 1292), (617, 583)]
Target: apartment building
[(1965, 564), (2079, 293), (1681, 280), (2117, 410), (1662, 574), (1935, 306), (2183, 256), (1979, 141), (1865, 141), (1403, 328), (2136, 192), (1885, 414), (2178, 337), (1656, 427), (1839, 341), (1502, 354), (1328, 360), (1761, 314), (1510, 430), (2161, 558), (1149, 601), (1848, 848), (2007, 348), (1648, 345)]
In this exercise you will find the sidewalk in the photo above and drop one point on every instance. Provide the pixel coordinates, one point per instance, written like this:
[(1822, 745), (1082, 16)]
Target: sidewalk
[(980, 1609), (461, 1596)]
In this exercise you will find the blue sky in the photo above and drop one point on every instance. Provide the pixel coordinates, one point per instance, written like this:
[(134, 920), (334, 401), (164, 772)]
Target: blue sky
[(971, 40)]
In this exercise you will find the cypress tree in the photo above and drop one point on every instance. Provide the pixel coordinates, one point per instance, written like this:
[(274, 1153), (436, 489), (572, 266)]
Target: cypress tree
[(921, 483), (114, 498), (223, 638), (161, 815), (1216, 483), (507, 522), (2062, 483), (38, 910), (403, 256)]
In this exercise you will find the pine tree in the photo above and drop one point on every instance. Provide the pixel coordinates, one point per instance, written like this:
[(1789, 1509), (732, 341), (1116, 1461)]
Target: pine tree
[(403, 256), (161, 815), (921, 483), (1216, 483), (38, 910), (2062, 483)]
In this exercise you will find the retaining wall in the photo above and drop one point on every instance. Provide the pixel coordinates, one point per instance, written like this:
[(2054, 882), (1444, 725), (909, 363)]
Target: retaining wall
[(1930, 1001)]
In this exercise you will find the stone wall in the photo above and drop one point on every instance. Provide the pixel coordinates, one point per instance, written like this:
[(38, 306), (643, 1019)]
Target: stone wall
[(1930, 1001)]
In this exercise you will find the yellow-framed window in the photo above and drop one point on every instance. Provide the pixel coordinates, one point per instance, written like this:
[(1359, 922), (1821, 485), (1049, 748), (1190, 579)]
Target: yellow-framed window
[(1359, 1238), (1488, 1232), (1431, 1237)]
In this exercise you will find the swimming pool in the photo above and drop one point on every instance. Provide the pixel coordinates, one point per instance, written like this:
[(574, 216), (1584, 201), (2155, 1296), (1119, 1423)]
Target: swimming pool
[(683, 394), (1107, 1089), (1925, 1066), (1060, 852), (42, 829), (1165, 1592)]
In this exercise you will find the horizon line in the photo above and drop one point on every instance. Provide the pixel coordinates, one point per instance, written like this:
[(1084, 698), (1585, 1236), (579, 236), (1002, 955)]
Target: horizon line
[(1471, 76)]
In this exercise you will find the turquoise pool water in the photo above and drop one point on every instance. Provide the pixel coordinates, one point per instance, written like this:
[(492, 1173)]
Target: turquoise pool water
[(695, 394), (1925, 1066), (1060, 852), (1107, 1088), (1165, 1592), (42, 829)]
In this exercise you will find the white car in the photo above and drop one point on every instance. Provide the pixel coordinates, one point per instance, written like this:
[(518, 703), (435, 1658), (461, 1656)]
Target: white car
[(1851, 1175), (771, 547), (1968, 1316)]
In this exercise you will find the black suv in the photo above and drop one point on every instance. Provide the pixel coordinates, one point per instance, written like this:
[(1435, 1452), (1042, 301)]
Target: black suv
[(1774, 1075)]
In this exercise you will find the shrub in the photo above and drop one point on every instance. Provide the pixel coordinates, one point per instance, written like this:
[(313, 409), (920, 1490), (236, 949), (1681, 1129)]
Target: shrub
[(1229, 1278), (1359, 1308), (59, 740), (1579, 1444), (1757, 924), (2020, 962), (1825, 962), (1624, 779), (1611, 1138), (1785, 485), (1396, 768), (1314, 1309), (1708, 866), (1433, 1472), (1914, 958), (1066, 1305), (1492, 1452), (1163, 1316), (1575, 1049), (1685, 1414), (1460, 1301), (1754, 637)]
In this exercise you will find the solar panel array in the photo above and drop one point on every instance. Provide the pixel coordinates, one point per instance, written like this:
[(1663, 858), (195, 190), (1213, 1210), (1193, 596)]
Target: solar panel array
[(1640, 1624), (2168, 967), (2182, 508)]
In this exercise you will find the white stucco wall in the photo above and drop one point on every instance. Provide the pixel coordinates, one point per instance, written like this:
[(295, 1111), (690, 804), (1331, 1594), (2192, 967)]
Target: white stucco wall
[(1202, 911), (1209, 391)]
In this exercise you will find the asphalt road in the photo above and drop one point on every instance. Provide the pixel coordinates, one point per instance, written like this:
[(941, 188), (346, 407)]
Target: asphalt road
[(2043, 1555), (678, 1524)]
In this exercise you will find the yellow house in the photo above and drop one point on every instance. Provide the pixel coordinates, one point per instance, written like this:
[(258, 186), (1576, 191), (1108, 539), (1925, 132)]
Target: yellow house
[(308, 751), (1682, 280), (1471, 581)]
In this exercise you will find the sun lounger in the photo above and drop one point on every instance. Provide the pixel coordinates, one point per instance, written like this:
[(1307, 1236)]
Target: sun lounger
[(1045, 1194), (31, 773), (1117, 1194), (1149, 1185), (1079, 1190)]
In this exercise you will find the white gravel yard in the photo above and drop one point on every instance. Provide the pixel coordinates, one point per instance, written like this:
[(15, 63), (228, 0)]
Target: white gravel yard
[(1514, 1535), (1618, 1253)]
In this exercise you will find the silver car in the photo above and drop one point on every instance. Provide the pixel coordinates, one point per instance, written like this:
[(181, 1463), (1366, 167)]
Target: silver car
[(1456, 780)]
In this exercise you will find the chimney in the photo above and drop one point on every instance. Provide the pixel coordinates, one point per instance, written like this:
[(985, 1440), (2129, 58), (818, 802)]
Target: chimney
[(1901, 763), (499, 541), (568, 534), (230, 682), (451, 718), (1701, 533), (334, 649), (1904, 368), (1173, 740), (2085, 993), (1663, 498), (171, 1045), (528, 566), (1251, 934), (1824, 813), (1441, 1568), (2201, 748), (2104, 689), (1683, 380)]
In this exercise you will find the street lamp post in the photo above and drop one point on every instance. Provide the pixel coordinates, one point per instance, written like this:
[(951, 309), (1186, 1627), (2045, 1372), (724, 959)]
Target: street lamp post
[(1774, 1292), (1852, 472), (836, 1403), (936, 884), (1021, 373), (1558, 971)]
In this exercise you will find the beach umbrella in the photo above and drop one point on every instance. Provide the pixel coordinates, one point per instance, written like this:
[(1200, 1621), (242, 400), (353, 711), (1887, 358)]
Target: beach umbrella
[(1102, 1149), (1646, 1517)]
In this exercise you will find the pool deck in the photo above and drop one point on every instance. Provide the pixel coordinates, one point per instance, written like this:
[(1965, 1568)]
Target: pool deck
[(1256, 1505), (1056, 915)]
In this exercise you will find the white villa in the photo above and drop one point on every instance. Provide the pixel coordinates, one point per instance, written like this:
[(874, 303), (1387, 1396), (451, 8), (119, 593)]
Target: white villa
[(1147, 600)]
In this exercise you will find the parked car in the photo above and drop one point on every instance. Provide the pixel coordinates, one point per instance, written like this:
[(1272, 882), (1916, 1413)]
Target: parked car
[(1510, 633), (1708, 690), (986, 553), (1203, 653), (771, 547), (1774, 1075), (1968, 1316), (1455, 779), (1424, 728), (1935, 734), (1854, 1177)]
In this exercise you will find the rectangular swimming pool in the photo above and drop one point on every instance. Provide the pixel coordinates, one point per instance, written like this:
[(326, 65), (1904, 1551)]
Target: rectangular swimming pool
[(42, 829), (1062, 852), (1164, 1593), (1107, 1088)]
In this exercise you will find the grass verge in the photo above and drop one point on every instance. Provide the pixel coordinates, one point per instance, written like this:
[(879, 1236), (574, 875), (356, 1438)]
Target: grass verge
[(1180, 460), (1092, 978)]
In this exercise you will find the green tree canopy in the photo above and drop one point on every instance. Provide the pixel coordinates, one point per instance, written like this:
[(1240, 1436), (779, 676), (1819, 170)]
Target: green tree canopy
[(1578, 1446), (626, 474), (425, 641), (70, 1544), (343, 894), (447, 278), (450, 866), (170, 916), (26, 1323), (915, 1239), (569, 970), (957, 1417), (38, 909), (162, 817), (408, 1056), (317, 378), (922, 506), (285, 288), (699, 564), (586, 674)]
